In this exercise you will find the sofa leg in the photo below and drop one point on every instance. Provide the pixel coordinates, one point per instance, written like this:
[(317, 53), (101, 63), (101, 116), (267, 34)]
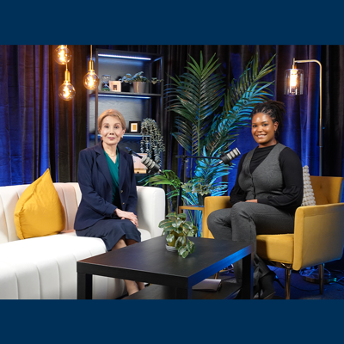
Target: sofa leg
[(321, 278), (287, 283)]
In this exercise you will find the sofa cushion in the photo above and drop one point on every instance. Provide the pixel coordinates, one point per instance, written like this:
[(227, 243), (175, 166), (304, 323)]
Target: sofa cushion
[(39, 211)]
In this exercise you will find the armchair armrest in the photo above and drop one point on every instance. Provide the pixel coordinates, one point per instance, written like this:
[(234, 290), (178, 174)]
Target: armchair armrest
[(212, 203), (318, 234), (150, 208)]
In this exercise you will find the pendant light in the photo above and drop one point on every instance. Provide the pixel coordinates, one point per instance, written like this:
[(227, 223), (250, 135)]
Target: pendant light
[(66, 90), (91, 80), (62, 55)]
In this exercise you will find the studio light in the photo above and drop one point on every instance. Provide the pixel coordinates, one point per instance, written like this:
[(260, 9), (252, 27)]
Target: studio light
[(62, 55), (66, 90), (91, 80)]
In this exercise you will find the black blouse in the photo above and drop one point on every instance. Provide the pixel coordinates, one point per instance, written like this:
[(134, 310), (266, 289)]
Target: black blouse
[(292, 178)]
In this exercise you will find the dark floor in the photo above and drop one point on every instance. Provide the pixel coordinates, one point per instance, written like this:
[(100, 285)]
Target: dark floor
[(301, 289)]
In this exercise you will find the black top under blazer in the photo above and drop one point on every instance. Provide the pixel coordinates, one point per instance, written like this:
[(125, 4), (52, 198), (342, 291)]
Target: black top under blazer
[(95, 183)]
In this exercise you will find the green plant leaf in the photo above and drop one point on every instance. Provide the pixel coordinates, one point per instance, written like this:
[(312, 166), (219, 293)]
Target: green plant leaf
[(182, 216), (170, 238), (166, 223), (183, 251), (191, 246), (178, 242)]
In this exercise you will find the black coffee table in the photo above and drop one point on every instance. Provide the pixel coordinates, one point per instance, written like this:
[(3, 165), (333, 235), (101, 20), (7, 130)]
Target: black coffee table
[(171, 275)]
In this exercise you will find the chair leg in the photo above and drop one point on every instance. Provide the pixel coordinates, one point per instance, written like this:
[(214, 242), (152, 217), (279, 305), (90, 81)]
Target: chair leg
[(321, 278), (287, 283)]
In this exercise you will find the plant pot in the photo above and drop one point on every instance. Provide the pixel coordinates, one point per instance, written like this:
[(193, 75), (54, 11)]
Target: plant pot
[(139, 87), (201, 199), (171, 248), (125, 87)]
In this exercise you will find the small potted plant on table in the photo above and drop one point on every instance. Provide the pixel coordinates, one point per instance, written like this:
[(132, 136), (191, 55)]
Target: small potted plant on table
[(178, 231)]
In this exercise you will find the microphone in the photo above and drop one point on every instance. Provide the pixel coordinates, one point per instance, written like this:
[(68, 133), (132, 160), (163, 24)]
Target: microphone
[(227, 158), (151, 164), (148, 162)]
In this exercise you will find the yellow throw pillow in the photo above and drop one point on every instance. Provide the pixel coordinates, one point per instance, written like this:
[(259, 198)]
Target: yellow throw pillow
[(39, 211)]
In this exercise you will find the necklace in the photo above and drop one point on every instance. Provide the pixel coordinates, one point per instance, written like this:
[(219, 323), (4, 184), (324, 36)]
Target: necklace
[(110, 155)]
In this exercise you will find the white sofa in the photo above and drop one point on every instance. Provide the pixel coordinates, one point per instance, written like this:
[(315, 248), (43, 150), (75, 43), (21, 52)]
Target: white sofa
[(45, 267)]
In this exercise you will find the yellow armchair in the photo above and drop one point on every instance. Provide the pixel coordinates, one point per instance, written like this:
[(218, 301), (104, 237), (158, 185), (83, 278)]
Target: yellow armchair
[(318, 233)]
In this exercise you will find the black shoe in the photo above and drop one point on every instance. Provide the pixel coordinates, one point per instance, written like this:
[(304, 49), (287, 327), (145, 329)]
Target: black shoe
[(266, 284)]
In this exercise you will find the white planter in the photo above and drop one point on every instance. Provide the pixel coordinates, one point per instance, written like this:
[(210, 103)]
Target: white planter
[(139, 87)]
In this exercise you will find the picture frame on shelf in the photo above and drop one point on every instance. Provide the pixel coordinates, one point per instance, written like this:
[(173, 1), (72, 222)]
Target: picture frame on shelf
[(134, 127), (115, 86)]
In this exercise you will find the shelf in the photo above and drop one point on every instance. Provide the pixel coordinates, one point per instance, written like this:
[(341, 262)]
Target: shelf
[(126, 94), (135, 107)]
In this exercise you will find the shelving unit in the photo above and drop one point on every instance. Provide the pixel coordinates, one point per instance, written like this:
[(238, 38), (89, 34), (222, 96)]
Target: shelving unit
[(133, 106)]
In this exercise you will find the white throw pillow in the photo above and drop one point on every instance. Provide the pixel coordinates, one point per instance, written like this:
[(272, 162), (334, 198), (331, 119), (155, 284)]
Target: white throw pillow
[(308, 194)]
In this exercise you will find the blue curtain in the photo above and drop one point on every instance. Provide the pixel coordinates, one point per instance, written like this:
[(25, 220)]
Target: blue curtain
[(24, 133), (39, 130)]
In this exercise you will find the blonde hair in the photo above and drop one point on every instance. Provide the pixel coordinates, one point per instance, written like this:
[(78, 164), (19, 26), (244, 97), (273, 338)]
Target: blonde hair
[(112, 113)]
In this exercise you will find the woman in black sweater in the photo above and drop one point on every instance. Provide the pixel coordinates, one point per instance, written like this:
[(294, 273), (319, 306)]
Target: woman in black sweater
[(267, 191)]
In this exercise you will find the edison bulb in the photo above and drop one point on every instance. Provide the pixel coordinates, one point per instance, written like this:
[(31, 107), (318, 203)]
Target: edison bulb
[(293, 82), (66, 91), (62, 55), (91, 80), (293, 77)]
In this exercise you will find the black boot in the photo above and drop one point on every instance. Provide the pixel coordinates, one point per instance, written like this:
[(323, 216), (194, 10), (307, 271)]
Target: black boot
[(266, 284)]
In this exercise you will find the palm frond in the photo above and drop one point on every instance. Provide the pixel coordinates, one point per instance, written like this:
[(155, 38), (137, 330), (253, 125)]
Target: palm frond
[(195, 96), (239, 101)]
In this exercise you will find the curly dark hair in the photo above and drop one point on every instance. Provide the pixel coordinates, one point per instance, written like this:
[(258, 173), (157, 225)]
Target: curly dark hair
[(273, 108)]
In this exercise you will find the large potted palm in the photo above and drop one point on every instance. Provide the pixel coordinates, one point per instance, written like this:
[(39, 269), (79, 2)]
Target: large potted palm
[(205, 128)]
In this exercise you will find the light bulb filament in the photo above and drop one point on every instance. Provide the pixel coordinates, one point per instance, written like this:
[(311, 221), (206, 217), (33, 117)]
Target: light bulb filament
[(293, 78)]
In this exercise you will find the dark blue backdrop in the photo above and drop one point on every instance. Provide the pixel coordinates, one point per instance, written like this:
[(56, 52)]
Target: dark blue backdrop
[(39, 130)]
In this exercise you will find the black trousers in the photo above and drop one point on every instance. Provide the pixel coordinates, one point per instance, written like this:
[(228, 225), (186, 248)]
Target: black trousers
[(243, 222)]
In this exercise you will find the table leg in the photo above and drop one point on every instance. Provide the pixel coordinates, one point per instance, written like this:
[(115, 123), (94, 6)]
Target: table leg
[(84, 290), (181, 293), (247, 277)]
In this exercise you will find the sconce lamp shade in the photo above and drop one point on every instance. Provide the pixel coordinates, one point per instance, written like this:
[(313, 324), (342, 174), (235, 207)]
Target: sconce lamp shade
[(91, 80), (62, 55), (66, 90), (293, 82)]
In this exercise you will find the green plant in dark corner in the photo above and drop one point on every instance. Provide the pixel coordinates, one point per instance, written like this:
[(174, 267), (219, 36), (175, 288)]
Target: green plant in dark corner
[(178, 230)]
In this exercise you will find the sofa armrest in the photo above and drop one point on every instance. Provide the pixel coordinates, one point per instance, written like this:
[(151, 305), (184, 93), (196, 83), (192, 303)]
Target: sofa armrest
[(150, 208), (318, 234), (212, 203)]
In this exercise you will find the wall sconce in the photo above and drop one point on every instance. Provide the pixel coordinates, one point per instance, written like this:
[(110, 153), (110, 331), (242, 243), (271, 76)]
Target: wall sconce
[(293, 85), (66, 90), (91, 80), (62, 55)]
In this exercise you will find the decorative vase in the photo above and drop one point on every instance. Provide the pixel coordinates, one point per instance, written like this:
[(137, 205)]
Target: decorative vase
[(139, 87)]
